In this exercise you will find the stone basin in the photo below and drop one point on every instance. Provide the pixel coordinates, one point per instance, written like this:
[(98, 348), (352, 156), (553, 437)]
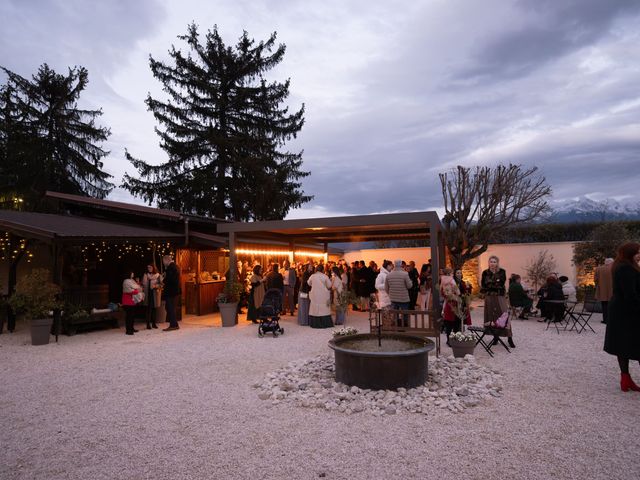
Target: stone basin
[(401, 361)]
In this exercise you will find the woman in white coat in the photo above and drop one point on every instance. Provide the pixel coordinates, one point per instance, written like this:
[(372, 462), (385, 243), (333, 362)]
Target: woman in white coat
[(383, 297), (320, 297)]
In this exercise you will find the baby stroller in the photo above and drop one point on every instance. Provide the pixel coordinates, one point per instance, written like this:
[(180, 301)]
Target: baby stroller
[(269, 313)]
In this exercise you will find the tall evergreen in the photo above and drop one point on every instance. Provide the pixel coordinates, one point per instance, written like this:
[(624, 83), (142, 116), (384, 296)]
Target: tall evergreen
[(223, 127), (46, 141)]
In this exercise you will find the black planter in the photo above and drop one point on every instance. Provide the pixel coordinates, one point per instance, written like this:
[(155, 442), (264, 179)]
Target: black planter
[(381, 370)]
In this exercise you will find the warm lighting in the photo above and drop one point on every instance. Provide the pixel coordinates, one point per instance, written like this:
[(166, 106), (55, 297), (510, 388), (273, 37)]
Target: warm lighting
[(243, 251), (282, 253), (312, 254)]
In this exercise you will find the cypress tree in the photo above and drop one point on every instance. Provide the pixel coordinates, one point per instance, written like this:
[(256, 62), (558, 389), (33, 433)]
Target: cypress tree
[(223, 126), (46, 141)]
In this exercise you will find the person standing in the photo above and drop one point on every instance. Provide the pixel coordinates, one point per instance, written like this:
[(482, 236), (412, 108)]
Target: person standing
[(604, 286), (289, 281), (320, 298), (622, 337), (384, 302), (151, 283), (256, 294), (465, 295), (130, 295), (171, 289), (452, 307), (495, 304), (336, 291), (424, 287), (303, 296), (397, 285), (274, 279), (415, 287)]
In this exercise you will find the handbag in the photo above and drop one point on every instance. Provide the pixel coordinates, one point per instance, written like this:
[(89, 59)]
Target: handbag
[(501, 321)]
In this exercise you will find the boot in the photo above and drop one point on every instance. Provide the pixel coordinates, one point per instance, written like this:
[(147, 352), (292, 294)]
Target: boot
[(153, 325), (626, 383), (511, 344), (495, 341), (148, 326)]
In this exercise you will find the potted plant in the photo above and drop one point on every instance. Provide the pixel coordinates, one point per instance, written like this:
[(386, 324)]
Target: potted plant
[(462, 343), (35, 298), (228, 302), (344, 331), (345, 298)]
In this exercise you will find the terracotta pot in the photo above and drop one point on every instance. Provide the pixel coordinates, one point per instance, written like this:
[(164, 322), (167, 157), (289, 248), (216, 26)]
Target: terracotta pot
[(229, 314), (460, 349)]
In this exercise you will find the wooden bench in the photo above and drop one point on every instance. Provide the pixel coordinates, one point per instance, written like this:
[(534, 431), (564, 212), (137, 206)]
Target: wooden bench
[(88, 298), (421, 323)]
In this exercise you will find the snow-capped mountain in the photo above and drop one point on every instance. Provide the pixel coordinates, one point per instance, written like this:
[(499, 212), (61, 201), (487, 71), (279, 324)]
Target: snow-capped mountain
[(585, 209)]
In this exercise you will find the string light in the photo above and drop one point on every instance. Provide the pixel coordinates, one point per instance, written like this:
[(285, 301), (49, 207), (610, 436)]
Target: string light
[(283, 253)]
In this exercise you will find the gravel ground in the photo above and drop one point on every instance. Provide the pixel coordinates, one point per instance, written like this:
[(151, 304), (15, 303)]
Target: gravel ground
[(182, 404)]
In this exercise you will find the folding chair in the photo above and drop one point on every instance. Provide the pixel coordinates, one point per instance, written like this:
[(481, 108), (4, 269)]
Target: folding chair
[(491, 332), (582, 317)]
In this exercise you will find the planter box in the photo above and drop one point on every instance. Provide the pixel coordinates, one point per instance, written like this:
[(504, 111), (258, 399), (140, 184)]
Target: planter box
[(229, 314), (40, 330), (460, 349)]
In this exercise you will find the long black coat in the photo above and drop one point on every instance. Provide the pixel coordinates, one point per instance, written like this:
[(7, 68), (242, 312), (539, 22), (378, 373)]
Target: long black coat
[(623, 325)]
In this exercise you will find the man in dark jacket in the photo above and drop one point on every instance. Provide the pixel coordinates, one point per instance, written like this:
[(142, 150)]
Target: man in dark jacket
[(274, 279), (170, 290)]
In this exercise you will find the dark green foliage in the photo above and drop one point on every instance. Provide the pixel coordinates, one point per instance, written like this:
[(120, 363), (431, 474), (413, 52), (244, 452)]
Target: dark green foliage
[(558, 232), (46, 141), (223, 127), (602, 243)]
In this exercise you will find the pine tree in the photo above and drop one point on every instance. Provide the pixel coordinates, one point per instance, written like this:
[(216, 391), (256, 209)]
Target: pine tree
[(47, 142), (223, 128)]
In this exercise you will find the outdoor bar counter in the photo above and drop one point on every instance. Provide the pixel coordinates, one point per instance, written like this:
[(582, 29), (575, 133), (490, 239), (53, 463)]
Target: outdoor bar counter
[(200, 298)]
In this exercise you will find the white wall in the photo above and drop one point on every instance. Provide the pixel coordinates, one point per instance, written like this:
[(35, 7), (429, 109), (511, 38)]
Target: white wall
[(513, 257), (419, 255)]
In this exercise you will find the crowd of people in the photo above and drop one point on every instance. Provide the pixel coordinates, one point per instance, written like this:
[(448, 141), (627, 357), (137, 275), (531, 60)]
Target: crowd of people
[(316, 291)]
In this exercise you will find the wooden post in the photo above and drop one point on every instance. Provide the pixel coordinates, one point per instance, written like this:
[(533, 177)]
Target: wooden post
[(434, 242), (232, 255)]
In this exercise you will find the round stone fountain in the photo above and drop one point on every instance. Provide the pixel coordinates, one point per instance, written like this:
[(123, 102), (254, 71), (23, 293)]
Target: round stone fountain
[(381, 361)]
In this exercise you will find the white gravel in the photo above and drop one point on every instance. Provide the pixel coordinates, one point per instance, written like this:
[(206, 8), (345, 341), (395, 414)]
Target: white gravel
[(183, 404), (453, 385)]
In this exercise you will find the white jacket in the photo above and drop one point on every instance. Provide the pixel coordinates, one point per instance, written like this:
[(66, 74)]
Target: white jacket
[(383, 296), (569, 291)]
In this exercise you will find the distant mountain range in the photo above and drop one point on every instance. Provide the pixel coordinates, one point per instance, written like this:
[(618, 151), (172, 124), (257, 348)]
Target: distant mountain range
[(586, 210)]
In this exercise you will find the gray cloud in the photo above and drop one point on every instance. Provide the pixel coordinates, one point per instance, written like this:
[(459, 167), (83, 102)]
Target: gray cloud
[(394, 94), (65, 33)]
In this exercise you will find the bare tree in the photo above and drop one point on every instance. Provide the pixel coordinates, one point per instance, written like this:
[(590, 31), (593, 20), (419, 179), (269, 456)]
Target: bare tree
[(540, 267), (481, 202)]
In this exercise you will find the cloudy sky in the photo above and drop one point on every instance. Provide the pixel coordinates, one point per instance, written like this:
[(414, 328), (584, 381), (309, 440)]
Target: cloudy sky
[(395, 92)]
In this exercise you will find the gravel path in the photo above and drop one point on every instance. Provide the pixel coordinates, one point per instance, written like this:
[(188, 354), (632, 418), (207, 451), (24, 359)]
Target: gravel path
[(182, 404)]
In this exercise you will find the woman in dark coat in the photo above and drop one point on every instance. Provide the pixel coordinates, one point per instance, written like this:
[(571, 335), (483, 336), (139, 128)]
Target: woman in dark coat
[(492, 285), (622, 338), (256, 294)]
